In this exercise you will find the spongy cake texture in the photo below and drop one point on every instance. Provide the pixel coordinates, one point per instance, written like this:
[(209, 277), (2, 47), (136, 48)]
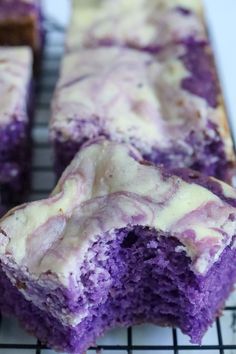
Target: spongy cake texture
[(15, 117), (103, 251)]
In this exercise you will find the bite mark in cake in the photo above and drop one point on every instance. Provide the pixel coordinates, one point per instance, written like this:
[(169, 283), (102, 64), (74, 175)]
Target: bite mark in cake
[(119, 242)]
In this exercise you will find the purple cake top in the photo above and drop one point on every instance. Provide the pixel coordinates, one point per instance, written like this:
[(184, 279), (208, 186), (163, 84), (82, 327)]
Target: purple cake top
[(15, 76), (128, 95), (107, 186), (156, 23)]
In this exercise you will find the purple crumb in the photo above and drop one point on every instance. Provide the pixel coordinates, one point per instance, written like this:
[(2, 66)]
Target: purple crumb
[(137, 275)]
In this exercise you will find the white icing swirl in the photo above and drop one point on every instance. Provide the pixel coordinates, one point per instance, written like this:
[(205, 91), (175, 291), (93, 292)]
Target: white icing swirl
[(137, 23), (103, 189)]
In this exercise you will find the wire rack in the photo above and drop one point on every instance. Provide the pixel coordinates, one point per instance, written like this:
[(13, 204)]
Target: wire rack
[(221, 338)]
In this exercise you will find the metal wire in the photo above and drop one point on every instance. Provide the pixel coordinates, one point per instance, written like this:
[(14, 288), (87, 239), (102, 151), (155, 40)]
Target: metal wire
[(37, 192)]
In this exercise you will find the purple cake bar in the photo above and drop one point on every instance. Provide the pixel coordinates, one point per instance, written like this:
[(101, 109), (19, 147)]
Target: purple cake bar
[(21, 25), (15, 102), (103, 251), (168, 106), (140, 24)]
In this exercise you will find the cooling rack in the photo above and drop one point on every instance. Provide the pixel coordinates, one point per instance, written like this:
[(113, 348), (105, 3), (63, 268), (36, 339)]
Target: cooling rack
[(220, 339)]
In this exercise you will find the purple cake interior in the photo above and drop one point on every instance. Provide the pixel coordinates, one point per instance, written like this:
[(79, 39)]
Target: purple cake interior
[(130, 276), (203, 81), (136, 276), (15, 157), (201, 151), (15, 125), (103, 252)]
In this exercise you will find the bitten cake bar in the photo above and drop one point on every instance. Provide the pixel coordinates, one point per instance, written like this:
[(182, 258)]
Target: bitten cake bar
[(15, 104), (103, 251), (21, 23), (168, 106), (140, 24)]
